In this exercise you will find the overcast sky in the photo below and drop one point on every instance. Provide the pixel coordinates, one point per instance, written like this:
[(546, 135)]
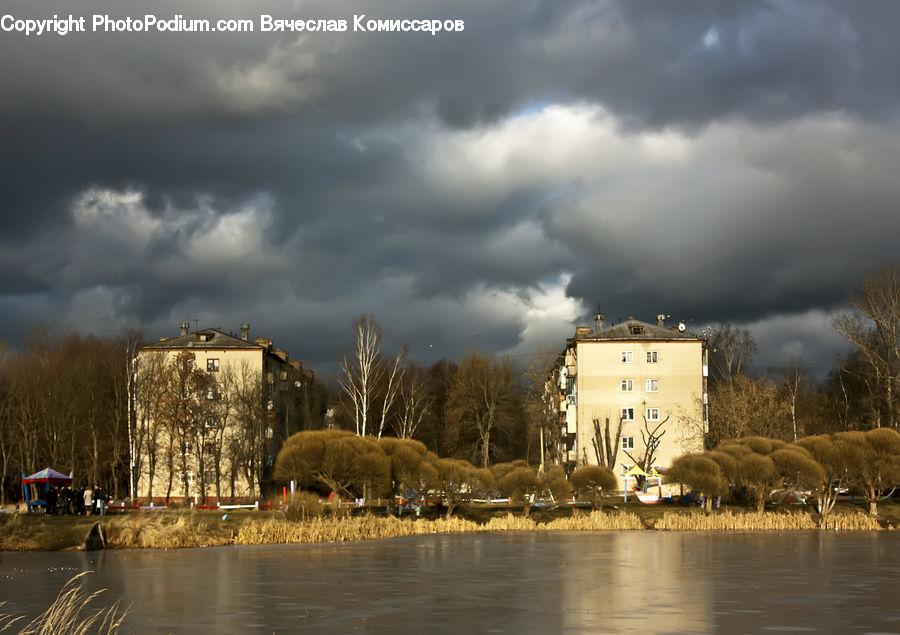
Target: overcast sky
[(488, 189)]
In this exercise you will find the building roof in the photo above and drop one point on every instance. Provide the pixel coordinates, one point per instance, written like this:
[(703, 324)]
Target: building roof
[(635, 330), (204, 340)]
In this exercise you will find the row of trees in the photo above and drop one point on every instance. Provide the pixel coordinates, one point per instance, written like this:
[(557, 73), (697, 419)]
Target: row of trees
[(65, 404), (476, 410), (860, 392), (749, 468), (346, 464), (68, 403), (189, 419)]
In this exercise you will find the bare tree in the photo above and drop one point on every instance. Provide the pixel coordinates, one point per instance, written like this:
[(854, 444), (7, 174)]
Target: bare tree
[(394, 376), (246, 449), (366, 377), (541, 418), (415, 401), (606, 443), (872, 325), (730, 351), (792, 377), (650, 439), (744, 406), (482, 399), (147, 395), (180, 411)]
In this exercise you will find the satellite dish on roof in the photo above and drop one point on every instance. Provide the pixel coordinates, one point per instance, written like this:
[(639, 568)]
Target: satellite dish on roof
[(681, 327)]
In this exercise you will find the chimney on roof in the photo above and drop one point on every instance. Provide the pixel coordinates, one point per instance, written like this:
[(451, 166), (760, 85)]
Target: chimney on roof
[(599, 320), (661, 320), (245, 331), (185, 327)]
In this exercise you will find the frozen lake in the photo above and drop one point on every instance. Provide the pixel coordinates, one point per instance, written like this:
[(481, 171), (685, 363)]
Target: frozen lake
[(640, 582)]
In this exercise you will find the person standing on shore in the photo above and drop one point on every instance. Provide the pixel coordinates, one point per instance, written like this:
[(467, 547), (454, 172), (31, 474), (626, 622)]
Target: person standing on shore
[(50, 499), (78, 501), (100, 499), (65, 500), (88, 500)]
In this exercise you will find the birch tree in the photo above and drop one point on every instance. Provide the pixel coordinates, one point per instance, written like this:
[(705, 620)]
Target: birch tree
[(414, 402), (369, 383)]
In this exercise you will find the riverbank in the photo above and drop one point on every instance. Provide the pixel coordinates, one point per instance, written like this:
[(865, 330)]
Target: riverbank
[(170, 530)]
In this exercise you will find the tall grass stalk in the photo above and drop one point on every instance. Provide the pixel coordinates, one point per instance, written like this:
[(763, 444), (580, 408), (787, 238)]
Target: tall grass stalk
[(70, 614), (763, 521), (160, 531), (320, 530)]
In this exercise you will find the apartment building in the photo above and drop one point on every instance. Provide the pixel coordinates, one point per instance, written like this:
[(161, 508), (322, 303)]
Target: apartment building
[(210, 412), (628, 390)]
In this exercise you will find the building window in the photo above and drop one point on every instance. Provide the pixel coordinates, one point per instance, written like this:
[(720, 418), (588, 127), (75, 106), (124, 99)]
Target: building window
[(627, 414), (212, 393), (652, 414), (627, 443), (652, 357), (652, 385), (212, 365), (626, 357), (637, 330), (627, 385)]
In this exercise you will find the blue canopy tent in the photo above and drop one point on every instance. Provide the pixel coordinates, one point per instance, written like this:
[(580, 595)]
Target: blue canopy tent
[(47, 477)]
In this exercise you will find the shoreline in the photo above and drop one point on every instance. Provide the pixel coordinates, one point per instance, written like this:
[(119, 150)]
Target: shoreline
[(186, 529)]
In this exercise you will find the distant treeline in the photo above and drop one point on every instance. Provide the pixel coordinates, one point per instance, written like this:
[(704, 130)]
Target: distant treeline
[(64, 402)]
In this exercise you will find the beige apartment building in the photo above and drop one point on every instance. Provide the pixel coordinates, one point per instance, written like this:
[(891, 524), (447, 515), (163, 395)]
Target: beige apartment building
[(210, 412), (628, 390)]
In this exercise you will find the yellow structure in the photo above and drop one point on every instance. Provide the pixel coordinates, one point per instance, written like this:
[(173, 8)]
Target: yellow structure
[(210, 429), (631, 393)]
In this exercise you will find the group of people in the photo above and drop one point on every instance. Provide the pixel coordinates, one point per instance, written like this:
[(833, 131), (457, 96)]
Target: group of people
[(66, 501)]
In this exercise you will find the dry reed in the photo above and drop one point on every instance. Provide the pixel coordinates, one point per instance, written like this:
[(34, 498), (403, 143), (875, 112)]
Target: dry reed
[(596, 521), (765, 521), (161, 531), (321, 530), (64, 616), (192, 530)]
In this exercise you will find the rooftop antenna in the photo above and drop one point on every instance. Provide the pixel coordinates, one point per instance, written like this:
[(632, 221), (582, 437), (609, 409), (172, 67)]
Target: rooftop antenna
[(195, 321)]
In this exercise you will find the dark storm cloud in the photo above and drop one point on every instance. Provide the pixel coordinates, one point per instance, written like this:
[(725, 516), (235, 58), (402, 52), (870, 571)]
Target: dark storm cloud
[(714, 161)]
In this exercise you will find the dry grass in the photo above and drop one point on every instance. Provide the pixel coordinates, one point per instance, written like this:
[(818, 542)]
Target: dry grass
[(357, 528), (321, 530), (766, 521), (163, 531), (69, 614), (305, 506), (36, 532), (310, 523), (596, 521)]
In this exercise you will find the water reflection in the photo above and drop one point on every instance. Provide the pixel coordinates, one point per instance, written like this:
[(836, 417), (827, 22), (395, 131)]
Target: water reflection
[(645, 582), (637, 582)]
